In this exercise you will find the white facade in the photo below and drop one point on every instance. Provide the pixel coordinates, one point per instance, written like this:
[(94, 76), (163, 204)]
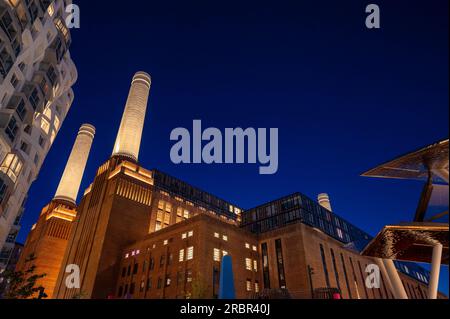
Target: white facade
[(36, 76)]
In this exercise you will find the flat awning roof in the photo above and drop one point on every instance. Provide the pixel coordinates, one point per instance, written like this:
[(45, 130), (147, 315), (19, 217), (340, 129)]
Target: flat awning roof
[(414, 165), (409, 242)]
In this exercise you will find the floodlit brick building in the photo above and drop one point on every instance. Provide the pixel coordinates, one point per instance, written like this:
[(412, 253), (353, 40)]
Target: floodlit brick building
[(48, 238), (141, 233)]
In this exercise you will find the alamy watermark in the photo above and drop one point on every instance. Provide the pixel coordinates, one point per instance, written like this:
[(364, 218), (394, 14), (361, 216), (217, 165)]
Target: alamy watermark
[(73, 16), (227, 148), (373, 280)]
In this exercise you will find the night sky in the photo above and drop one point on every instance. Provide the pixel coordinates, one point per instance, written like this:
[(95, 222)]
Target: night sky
[(344, 98)]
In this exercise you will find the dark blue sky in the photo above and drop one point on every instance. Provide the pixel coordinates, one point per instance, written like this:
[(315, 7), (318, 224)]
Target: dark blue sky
[(344, 98)]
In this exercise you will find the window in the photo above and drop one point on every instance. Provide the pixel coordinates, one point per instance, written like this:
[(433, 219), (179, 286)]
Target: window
[(216, 235), (216, 254), (14, 81), (152, 264), (247, 245), (162, 260), (280, 264), (36, 159), (248, 264), (159, 283), (28, 129), (255, 265), (184, 236), (24, 147), (186, 214), (256, 286), (168, 280), (225, 238), (189, 275), (324, 264), (166, 242), (190, 253), (265, 264), (21, 110), (34, 99), (191, 233), (336, 273), (181, 255), (255, 248), (11, 129), (249, 285), (135, 269), (41, 141), (142, 287), (346, 277), (124, 271), (224, 253)]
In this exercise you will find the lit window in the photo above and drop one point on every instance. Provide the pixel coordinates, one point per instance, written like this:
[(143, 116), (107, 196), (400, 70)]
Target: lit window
[(161, 204), (181, 256), (224, 252), (166, 242), (216, 235), (248, 264), (255, 265), (186, 214), (256, 286), (127, 255), (51, 9), (190, 253), (254, 248), (216, 254), (249, 285), (225, 238), (247, 245), (184, 236), (138, 252), (45, 125), (191, 233)]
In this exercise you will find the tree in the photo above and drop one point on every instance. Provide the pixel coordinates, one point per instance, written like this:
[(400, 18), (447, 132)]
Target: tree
[(22, 284)]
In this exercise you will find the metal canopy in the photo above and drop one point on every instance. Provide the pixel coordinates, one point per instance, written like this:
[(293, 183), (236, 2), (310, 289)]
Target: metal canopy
[(417, 165), (409, 242)]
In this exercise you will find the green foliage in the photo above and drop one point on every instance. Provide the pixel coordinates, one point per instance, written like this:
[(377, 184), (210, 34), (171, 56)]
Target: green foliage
[(22, 284)]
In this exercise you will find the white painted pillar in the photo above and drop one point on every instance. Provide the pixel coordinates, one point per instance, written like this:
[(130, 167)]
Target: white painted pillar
[(435, 270), (396, 282), (388, 281)]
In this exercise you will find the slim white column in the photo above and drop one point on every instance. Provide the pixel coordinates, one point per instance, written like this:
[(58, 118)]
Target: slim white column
[(73, 173), (396, 282), (129, 136), (435, 270), (385, 275)]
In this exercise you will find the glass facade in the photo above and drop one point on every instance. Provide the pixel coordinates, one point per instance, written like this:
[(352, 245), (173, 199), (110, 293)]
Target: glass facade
[(201, 198), (298, 208)]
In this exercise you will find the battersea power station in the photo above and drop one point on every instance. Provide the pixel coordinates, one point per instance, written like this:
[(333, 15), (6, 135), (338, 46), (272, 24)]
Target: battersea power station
[(142, 234)]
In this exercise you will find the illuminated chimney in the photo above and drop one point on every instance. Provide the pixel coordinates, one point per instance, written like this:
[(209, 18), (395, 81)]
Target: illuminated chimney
[(324, 201), (129, 136), (73, 173)]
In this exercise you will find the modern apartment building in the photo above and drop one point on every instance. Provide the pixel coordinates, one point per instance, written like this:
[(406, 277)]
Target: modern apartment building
[(36, 76)]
